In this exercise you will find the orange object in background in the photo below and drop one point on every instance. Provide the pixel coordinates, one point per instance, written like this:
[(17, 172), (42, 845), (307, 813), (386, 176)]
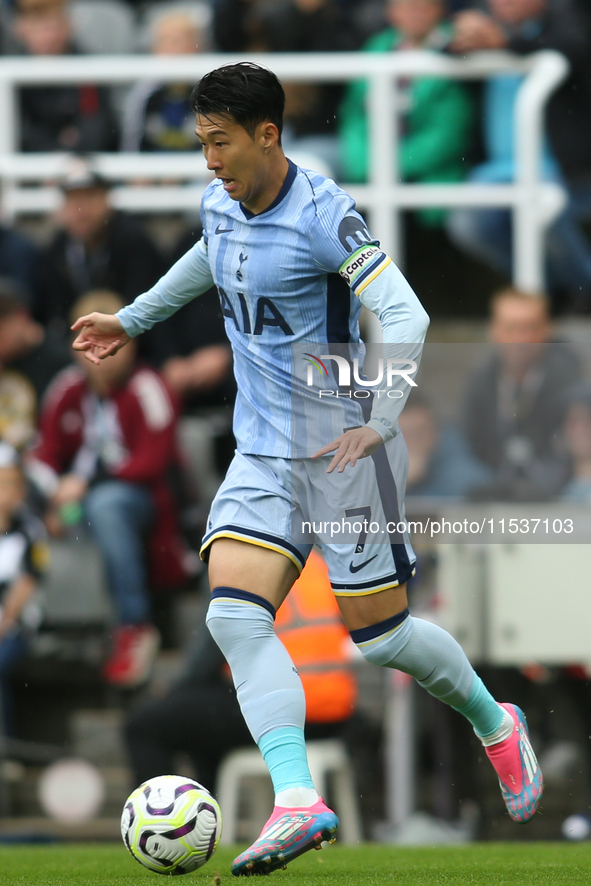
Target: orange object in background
[(310, 626)]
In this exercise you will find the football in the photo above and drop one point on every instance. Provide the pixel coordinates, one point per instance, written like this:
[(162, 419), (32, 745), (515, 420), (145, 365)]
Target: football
[(171, 824)]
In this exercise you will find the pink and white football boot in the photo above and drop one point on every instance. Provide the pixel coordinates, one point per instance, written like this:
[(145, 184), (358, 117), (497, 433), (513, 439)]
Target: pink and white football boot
[(520, 776), (287, 834)]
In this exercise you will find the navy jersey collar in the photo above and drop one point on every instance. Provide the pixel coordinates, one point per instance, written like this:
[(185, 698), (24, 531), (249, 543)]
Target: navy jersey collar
[(291, 174)]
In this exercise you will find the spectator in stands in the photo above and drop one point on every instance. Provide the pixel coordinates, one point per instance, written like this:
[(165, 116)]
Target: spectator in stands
[(59, 118), (435, 126), (23, 559), (367, 17), (577, 437), (309, 625), (200, 373), (95, 247), (18, 403), (283, 25), (440, 463), (29, 358), (157, 117), (236, 29), (514, 404), (525, 26), (106, 449), (310, 107), (20, 261), (232, 31), (302, 25)]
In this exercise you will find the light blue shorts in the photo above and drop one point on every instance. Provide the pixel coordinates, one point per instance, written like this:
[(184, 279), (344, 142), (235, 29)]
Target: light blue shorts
[(356, 518)]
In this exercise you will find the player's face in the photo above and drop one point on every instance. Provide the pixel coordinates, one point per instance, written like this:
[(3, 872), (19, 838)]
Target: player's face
[(240, 160)]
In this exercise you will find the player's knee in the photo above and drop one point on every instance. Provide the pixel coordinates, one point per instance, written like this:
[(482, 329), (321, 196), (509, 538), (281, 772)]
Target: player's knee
[(236, 615), (382, 642), (223, 627)]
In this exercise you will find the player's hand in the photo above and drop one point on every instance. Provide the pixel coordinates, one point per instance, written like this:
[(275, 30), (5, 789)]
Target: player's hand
[(350, 446), (99, 336)]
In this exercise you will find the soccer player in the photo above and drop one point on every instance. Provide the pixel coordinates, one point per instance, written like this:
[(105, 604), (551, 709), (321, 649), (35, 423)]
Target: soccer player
[(293, 262)]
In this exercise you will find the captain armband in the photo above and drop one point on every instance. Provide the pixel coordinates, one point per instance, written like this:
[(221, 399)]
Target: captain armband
[(363, 266)]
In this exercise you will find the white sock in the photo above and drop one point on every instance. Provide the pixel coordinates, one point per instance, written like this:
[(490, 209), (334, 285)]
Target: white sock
[(293, 797), (504, 731)]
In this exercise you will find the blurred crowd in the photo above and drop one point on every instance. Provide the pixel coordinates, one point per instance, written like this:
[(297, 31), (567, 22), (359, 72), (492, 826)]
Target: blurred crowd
[(98, 447), (516, 434), (449, 131), (516, 439)]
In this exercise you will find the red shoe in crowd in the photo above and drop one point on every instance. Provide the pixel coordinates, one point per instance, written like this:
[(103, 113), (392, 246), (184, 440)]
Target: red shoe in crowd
[(134, 650)]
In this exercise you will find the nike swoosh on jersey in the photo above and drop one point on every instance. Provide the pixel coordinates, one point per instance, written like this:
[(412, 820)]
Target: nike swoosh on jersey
[(360, 565), (220, 230)]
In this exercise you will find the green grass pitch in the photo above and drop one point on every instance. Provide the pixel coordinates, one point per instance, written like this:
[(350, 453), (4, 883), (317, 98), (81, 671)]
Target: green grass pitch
[(490, 864)]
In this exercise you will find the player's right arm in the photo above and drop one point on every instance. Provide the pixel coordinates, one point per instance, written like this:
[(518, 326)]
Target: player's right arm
[(100, 335)]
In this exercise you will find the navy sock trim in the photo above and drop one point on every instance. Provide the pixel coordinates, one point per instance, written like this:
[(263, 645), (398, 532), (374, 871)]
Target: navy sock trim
[(237, 594), (362, 635)]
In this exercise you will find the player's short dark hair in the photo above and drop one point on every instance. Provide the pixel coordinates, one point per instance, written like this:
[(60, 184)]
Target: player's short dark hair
[(247, 93)]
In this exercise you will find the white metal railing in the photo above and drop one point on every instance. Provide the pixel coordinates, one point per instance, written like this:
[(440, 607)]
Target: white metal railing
[(532, 201)]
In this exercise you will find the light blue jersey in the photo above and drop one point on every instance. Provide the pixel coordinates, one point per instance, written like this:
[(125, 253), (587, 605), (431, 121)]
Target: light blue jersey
[(295, 273)]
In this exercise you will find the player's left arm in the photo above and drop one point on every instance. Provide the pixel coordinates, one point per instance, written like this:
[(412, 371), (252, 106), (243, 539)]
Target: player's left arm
[(382, 288), (404, 323)]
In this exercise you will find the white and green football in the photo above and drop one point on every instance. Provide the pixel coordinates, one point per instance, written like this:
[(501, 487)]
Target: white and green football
[(171, 824)]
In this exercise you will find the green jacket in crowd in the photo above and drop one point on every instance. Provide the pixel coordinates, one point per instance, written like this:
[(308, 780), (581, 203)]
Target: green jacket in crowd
[(436, 128)]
